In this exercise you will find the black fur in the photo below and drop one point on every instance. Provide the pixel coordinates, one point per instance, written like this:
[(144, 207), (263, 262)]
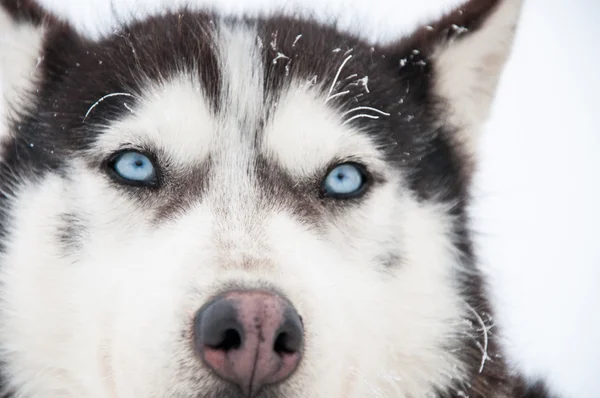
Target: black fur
[(24, 11), (539, 389)]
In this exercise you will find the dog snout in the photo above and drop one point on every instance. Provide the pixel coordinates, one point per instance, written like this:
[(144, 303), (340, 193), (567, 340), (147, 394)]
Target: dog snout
[(250, 338)]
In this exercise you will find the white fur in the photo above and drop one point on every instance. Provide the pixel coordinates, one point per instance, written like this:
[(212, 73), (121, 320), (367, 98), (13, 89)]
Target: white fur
[(172, 117), (307, 122), (469, 70), (20, 46)]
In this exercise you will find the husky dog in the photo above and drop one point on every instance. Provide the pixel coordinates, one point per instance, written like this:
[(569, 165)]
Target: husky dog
[(202, 206)]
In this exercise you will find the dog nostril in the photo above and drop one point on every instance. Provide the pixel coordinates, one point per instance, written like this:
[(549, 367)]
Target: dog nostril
[(289, 340), (290, 336), (232, 340), (217, 327), (284, 345)]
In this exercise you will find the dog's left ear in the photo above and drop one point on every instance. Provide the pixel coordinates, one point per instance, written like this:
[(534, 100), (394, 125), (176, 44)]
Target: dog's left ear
[(464, 52)]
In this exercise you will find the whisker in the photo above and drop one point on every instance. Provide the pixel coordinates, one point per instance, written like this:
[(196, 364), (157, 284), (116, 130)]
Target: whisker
[(360, 116), (484, 329), (128, 108), (296, 40), (102, 99), (337, 75), (366, 108), (337, 95)]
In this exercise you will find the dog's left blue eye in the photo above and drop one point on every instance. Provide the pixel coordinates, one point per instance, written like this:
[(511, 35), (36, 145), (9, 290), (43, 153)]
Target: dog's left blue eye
[(345, 180), (134, 167)]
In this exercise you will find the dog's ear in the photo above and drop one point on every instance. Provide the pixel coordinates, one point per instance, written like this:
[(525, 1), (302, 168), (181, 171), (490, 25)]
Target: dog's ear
[(22, 28), (463, 53), (26, 31)]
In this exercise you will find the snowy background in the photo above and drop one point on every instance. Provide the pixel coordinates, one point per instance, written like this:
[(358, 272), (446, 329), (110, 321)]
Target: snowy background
[(538, 191)]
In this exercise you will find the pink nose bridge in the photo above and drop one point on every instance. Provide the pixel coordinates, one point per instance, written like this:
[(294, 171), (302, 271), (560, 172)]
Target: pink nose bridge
[(250, 338)]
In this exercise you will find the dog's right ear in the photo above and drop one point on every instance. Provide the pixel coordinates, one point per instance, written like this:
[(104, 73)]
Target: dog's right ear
[(22, 27), (25, 33)]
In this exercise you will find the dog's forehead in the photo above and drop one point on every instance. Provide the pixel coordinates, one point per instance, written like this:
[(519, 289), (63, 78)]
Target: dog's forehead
[(263, 85), (276, 50), (297, 93)]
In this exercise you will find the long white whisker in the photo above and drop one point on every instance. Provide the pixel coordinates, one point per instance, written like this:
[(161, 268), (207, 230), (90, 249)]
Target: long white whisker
[(484, 328), (102, 99), (337, 75), (337, 95), (366, 108), (359, 116)]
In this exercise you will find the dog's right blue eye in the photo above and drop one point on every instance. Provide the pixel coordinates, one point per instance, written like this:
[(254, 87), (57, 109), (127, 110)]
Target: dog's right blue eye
[(135, 168)]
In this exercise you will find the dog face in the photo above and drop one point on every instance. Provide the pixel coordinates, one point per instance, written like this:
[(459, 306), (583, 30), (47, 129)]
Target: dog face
[(199, 206)]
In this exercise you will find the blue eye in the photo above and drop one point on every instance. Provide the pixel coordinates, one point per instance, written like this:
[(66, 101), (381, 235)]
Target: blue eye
[(134, 168), (345, 180)]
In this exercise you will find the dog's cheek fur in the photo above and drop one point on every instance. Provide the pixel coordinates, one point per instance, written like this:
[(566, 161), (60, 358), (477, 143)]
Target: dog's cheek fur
[(79, 341), (398, 345)]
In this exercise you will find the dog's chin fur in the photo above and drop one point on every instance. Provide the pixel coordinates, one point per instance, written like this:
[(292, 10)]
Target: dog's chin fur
[(100, 280)]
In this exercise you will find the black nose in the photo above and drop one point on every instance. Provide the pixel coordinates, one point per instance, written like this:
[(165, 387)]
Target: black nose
[(250, 338)]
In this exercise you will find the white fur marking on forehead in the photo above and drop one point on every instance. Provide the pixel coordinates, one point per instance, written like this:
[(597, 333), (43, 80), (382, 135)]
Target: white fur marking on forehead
[(242, 75), (240, 113), (172, 116), (305, 135)]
